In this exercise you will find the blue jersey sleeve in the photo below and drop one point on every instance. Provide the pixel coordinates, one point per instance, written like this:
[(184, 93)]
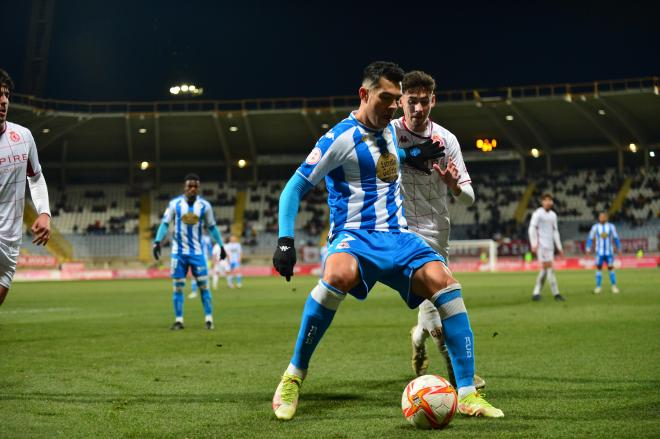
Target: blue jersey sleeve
[(329, 153), (293, 192)]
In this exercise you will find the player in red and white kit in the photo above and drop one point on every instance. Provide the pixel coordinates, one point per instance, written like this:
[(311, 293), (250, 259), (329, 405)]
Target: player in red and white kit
[(426, 197), (18, 162), (544, 238)]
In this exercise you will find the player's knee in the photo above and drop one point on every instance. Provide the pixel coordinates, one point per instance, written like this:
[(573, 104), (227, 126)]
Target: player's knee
[(341, 273), (179, 285), (328, 296), (3, 293)]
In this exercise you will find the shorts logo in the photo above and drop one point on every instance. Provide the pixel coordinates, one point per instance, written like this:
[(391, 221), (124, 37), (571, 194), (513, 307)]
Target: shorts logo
[(14, 136), (314, 157), (343, 245)]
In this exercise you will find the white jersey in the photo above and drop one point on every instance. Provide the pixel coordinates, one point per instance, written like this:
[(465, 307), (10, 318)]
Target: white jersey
[(18, 160), (361, 170), (234, 252), (425, 196), (189, 221), (543, 230), (216, 253)]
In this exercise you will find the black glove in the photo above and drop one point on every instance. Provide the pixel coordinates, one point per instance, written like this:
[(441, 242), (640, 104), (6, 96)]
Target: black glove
[(223, 253), (156, 250), (284, 258), (418, 155)]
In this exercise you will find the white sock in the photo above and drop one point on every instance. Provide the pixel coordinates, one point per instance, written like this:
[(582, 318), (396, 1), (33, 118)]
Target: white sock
[(179, 319), (209, 318), (230, 280), (293, 370), (215, 281), (553, 282), (462, 391), (540, 280), (419, 336)]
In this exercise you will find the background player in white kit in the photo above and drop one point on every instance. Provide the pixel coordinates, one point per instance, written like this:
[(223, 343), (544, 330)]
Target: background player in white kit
[(544, 238), (220, 266), (234, 254), (18, 161), (425, 200)]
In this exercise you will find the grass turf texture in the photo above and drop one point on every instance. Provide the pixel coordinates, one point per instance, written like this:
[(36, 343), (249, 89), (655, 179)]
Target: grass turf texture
[(96, 359)]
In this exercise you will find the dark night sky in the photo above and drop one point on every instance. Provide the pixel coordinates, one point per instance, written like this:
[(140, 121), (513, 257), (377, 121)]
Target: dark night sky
[(245, 49)]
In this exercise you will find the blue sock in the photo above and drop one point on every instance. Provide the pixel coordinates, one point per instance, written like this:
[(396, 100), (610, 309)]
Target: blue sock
[(206, 301), (458, 336), (177, 298), (612, 277), (193, 286), (599, 279), (239, 279), (315, 320)]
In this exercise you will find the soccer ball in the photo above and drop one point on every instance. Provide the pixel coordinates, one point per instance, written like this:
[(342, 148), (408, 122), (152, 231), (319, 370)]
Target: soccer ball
[(429, 402)]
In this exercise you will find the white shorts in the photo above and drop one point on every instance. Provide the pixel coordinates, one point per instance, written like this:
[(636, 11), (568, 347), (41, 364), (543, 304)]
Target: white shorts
[(8, 259), (545, 254)]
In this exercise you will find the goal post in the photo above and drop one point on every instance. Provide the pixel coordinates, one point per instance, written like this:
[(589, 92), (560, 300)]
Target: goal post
[(483, 249)]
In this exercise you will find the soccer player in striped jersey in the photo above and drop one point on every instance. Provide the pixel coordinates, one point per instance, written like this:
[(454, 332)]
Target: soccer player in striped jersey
[(544, 238), (19, 162), (425, 200), (190, 213), (369, 238), (606, 240)]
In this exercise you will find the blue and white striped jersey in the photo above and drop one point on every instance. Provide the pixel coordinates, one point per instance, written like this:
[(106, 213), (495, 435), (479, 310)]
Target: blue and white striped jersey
[(362, 174), (188, 221), (603, 235)]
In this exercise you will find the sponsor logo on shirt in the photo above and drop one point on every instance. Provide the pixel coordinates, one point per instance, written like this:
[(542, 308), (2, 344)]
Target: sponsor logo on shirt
[(387, 167), (190, 219)]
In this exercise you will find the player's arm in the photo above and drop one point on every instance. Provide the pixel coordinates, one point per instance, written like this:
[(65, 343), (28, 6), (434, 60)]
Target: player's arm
[(284, 258), (617, 241), (212, 228), (39, 193), (590, 239), (532, 231), (161, 233), (455, 176), (556, 237)]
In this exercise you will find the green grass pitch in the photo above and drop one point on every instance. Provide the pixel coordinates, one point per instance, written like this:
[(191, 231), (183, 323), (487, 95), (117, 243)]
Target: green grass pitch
[(97, 359)]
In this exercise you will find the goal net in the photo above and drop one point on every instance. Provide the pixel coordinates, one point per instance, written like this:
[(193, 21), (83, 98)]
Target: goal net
[(473, 255)]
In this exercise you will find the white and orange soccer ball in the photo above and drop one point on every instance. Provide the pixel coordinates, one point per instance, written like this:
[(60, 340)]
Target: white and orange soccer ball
[(429, 402)]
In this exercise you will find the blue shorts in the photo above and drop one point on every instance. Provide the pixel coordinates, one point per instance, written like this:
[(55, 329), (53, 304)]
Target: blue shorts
[(387, 257), (181, 263), (609, 260), (234, 265)]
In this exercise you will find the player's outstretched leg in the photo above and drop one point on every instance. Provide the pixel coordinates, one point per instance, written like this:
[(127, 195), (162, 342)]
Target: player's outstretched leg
[(207, 301), (319, 310), (540, 281), (615, 289), (599, 281), (418, 336), (460, 343), (177, 300)]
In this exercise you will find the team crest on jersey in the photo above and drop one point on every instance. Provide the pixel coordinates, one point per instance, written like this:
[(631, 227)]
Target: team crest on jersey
[(190, 219), (387, 167), (604, 235), (343, 244), (314, 157), (14, 136)]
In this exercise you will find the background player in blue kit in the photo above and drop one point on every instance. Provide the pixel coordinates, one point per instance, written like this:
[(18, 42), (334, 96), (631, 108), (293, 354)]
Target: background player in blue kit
[(606, 240), (369, 240), (190, 214)]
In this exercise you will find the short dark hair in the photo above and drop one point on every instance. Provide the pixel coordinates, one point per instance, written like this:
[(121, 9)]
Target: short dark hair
[(546, 195), (191, 176), (381, 69), (418, 80), (5, 80)]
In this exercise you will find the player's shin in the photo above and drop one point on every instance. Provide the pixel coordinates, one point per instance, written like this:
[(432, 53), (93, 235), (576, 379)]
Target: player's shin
[(540, 281), (207, 303), (612, 277), (318, 313), (553, 282), (458, 336), (599, 278), (177, 298)]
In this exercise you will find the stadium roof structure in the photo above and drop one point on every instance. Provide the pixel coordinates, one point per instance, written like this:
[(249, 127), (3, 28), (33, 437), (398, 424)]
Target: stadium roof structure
[(109, 140)]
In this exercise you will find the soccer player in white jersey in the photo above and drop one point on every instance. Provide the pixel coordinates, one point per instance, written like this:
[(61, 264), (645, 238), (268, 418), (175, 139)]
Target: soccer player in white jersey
[(544, 238), (235, 254), (18, 161), (190, 214), (606, 239), (369, 240), (220, 266), (425, 200)]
